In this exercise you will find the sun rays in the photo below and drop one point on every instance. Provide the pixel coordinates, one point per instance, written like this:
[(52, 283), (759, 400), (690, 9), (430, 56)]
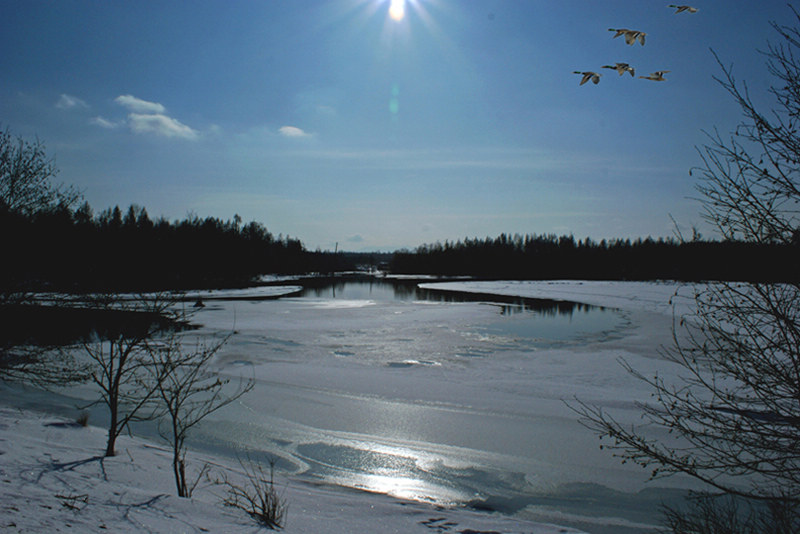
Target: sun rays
[(397, 10)]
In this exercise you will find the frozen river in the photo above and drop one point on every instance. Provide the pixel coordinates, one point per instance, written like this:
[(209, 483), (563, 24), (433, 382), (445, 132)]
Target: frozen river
[(440, 397), (447, 397)]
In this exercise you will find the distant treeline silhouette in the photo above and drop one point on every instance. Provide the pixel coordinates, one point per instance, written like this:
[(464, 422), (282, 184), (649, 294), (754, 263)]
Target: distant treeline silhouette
[(63, 249), (537, 257)]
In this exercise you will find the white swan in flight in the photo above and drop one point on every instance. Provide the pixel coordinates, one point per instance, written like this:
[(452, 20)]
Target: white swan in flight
[(630, 35), (588, 75), (621, 68), (657, 76), (680, 9)]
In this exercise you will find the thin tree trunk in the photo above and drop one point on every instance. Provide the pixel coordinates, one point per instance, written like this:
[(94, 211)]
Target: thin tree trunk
[(177, 468), (112, 430)]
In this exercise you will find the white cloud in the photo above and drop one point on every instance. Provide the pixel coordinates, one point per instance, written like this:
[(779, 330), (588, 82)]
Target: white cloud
[(147, 117), (160, 124), (69, 102), (104, 123), (292, 131), (137, 105)]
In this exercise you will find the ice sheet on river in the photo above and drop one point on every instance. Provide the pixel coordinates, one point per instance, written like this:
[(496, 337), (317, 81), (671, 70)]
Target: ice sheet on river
[(250, 293), (449, 401), (664, 297), (481, 418)]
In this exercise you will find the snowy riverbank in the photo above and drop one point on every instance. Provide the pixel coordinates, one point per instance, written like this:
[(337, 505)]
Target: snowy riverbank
[(53, 479), (47, 463)]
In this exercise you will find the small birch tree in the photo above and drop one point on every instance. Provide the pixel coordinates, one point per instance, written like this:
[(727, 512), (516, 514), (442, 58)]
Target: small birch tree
[(188, 392)]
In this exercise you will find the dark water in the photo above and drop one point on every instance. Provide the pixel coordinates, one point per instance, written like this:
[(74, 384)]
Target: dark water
[(387, 289), (517, 318)]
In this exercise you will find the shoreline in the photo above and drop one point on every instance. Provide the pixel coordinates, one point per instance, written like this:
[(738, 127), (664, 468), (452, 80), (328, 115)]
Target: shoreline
[(53, 479), (631, 296)]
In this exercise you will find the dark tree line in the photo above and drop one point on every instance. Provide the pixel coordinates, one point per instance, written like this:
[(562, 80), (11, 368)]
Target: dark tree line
[(60, 248), (533, 257)]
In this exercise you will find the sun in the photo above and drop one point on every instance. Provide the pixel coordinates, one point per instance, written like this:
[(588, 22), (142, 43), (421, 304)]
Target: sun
[(397, 9)]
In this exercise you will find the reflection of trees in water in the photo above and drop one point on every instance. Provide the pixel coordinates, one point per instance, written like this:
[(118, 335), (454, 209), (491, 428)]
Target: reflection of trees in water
[(511, 305), (409, 289), (23, 324), (325, 286), (333, 286), (324, 291)]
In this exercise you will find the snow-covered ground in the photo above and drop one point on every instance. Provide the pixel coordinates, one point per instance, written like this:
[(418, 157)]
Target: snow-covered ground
[(417, 386), (54, 479)]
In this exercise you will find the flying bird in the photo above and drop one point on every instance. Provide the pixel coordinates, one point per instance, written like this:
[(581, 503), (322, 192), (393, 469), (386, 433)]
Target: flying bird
[(680, 9), (589, 75), (657, 76), (630, 35), (621, 68)]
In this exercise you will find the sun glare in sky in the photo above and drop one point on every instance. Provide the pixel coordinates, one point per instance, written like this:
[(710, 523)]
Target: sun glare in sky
[(397, 122), (397, 9)]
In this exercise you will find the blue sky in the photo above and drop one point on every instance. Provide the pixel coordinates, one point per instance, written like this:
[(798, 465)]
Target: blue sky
[(331, 121)]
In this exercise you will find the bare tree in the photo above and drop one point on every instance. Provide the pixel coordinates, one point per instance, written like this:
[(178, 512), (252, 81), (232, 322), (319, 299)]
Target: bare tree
[(735, 411), (26, 177), (188, 392), (122, 367), (26, 188)]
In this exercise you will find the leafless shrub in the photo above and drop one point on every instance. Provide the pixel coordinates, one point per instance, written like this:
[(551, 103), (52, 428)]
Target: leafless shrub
[(257, 495), (83, 418)]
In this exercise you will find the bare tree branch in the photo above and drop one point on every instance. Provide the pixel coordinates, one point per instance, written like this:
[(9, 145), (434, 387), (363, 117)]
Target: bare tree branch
[(733, 416), (188, 392)]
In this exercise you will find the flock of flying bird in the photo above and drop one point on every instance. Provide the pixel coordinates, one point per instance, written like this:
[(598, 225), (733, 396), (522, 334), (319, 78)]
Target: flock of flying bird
[(631, 36)]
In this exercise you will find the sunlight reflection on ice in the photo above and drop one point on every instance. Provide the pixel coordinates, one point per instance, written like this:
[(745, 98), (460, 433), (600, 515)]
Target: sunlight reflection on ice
[(398, 471), (341, 304), (406, 487)]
